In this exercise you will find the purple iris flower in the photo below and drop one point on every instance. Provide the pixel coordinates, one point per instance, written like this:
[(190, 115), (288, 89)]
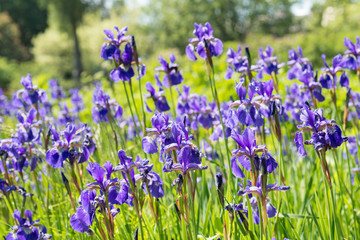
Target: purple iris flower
[(172, 75), (203, 110), (196, 109), (248, 111), (84, 216), (210, 153), (296, 61), (104, 106), (56, 91), (65, 115), (90, 203), (5, 105), (116, 190), (297, 57), (27, 228), (268, 63), (127, 165), (29, 130), (355, 102), (113, 42), (266, 98), (183, 106), (253, 191), (17, 156), (152, 181), (306, 75), (352, 54), (159, 99), (326, 134), (68, 145), (188, 160), (329, 77), (31, 94), (89, 141), (203, 33), (76, 100), (5, 188), (124, 71), (98, 173), (161, 125), (353, 150), (247, 151), (236, 63)]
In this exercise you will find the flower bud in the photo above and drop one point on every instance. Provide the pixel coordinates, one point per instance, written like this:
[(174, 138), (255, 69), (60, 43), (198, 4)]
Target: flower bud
[(220, 188), (263, 174), (66, 182), (136, 234), (208, 55), (244, 221), (178, 181), (89, 232), (177, 211), (133, 44), (231, 212)]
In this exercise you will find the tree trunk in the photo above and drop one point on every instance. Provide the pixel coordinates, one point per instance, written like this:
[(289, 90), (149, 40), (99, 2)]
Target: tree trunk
[(77, 55)]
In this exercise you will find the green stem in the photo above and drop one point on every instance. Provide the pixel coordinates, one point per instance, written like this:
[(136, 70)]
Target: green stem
[(136, 204), (172, 100), (133, 100), (215, 95), (131, 111), (352, 190)]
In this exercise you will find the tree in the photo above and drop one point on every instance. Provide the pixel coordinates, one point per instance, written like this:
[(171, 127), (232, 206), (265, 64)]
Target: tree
[(172, 20), (11, 46), (29, 15), (70, 14)]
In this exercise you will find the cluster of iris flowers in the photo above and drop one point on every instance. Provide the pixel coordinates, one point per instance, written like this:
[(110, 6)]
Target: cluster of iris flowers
[(49, 137)]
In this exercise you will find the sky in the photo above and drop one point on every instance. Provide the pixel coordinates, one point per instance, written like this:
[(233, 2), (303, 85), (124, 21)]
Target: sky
[(299, 9), (302, 8)]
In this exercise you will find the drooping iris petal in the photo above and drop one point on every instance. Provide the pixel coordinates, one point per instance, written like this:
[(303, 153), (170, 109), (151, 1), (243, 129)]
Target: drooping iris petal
[(335, 135), (118, 194), (299, 142), (236, 170), (54, 159), (80, 221)]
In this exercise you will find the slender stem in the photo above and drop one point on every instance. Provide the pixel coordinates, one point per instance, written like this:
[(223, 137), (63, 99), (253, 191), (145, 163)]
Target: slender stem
[(327, 177), (74, 178), (352, 190), (131, 111), (136, 204), (133, 100), (215, 95)]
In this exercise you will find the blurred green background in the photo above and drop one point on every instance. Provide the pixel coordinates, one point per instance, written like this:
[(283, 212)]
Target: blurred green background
[(62, 39)]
